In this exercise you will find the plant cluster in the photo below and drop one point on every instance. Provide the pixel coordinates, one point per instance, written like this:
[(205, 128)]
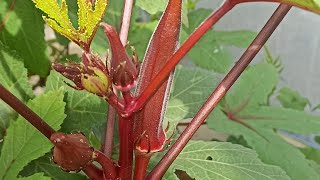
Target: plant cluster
[(110, 114)]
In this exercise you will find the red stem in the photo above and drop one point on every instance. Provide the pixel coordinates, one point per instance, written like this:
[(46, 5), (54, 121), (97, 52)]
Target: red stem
[(107, 165), (219, 92), (142, 162), (94, 173), (26, 112), (126, 147), (108, 143), (178, 55)]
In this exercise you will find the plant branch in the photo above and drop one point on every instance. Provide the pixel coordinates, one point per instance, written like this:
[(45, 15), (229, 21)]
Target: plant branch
[(125, 23), (152, 88), (107, 165), (94, 173), (219, 92), (111, 120), (26, 112), (141, 162)]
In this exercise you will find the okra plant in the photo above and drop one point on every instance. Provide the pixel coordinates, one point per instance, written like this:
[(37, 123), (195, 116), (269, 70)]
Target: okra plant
[(112, 111)]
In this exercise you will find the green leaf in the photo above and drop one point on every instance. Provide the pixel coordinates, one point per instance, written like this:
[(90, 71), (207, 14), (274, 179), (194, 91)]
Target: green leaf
[(241, 39), (253, 88), (23, 143), (272, 149), (311, 5), (13, 76), (45, 164), (37, 176), (190, 89), (155, 6), (208, 52), (292, 99), (312, 154), (84, 110), (220, 160), (89, 16), (24, 33), (139, 36)]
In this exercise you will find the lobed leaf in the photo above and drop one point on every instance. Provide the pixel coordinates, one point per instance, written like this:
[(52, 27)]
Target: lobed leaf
[(37, 176), (89, 16), (23, 143), (292, 99)]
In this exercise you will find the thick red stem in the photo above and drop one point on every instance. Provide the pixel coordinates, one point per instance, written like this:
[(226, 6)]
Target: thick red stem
[(26, 112), (126, 147), (141, 161), (94, 173), (107, 165), (219, 92), (179, 54)]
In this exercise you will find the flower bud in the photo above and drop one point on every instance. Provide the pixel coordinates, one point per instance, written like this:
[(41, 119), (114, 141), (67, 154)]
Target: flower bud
[(123, 70), (97, 82), (71, 152)]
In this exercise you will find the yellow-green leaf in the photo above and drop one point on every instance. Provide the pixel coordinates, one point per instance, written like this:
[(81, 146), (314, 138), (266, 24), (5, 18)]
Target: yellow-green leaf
[(89, 16)]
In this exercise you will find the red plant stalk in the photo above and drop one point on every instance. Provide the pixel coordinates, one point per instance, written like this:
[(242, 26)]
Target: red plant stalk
[(26, 112), (219, 92), (149, 135), (158, 80), (111, 116)]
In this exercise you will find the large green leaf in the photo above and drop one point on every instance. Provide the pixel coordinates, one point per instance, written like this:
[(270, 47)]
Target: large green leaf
[(190, 89), (220, 160), (207, 53), (24, 32), (241, 39), (45, 165), (272, 149), (84, 110), (13, 76), (23, 143), (244, 113), (311, 5)]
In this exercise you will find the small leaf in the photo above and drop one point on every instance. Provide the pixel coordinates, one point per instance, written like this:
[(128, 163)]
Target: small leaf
[(13, 76), (292, 99), (89, 16), (220, 160), (84, 110), (23, 143)]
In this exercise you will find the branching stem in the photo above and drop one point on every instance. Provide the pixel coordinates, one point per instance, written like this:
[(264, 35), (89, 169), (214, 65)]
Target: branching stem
[(179, 54), (219, 92)]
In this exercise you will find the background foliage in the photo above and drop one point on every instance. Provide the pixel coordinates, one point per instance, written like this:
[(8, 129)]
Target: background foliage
[(255, 149)]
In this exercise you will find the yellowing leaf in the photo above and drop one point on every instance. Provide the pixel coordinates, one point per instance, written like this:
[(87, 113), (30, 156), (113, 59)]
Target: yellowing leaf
[(89, 16)]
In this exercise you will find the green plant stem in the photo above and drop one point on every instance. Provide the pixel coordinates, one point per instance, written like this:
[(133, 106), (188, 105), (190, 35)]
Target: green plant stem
[(179, 54), (26, 112), (142, 162), (219, 92), (126, 147)]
